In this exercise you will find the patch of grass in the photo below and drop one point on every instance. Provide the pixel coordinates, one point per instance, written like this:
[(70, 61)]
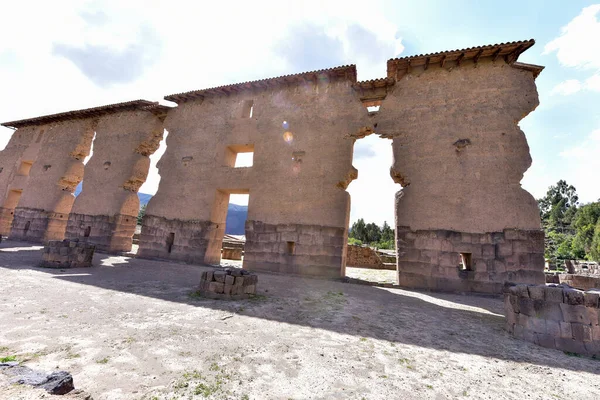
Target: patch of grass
[(429, 386), (214, 367), (73, 355), (195, 295), (257, 297), (129, 339), (8, 358), (103, 360), (245, 397), (193, 375), (3, 349), (206, 390), (571, 354), (363, 339)]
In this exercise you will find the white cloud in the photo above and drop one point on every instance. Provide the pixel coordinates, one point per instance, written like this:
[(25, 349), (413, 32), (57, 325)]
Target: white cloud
[(582, 166), (567, 87), (102, 52), (578, 44), (593, 82)]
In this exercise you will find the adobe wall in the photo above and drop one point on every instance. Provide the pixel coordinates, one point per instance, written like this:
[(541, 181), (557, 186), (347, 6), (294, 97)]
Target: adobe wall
[(24, 145), (298, 208), (554, 316), (460, 156), (105, 211), (44, 208)]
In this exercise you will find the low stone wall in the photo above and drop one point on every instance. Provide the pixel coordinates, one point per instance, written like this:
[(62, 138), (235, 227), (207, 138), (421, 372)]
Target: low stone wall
[(554, 316), (582, 282), (67, 254), (229, 283), (230, 253), (363, 257), (430, 259)]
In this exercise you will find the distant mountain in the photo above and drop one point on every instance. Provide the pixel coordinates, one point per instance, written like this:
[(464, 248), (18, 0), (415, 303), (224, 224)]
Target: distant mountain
[(236, 214)]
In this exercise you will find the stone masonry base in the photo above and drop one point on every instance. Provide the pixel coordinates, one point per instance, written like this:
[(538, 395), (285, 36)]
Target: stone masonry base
[(295, 249), (108, 233), (554, 316), (431, 259), (67, 254), (38, 226), (176, 240)]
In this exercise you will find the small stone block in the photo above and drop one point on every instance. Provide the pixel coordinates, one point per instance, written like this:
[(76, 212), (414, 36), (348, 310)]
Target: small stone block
[(216, 287), (250, 289), (565, 330), (209, 276), (581, 332), (227, 289), (229, 280), (536, 292), (239, 280), (591, 298), (554, 294), (573, 297), (220, 276)]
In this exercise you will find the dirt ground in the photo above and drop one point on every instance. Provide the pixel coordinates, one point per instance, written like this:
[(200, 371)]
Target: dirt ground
[(131, 329)]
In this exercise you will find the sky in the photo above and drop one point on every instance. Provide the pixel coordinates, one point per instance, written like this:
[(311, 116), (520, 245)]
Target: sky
[(66, 55)]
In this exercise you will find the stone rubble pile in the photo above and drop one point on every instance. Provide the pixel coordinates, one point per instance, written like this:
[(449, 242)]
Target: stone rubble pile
[(67, 254), (229, 283)]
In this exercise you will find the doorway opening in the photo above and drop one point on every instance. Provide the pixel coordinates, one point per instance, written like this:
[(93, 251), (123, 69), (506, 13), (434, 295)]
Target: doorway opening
[(371, 251), (234, 237)]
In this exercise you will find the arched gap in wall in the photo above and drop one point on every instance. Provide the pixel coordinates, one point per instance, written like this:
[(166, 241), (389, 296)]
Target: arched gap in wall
[(149, 189), (372, 256), (79, 187)]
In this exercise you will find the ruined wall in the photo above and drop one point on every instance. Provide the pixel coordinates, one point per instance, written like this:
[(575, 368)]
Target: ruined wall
[(298, 208), (15, 163), (44, 208), (106, 210), (555, 317), (460, 156), (363, 257)]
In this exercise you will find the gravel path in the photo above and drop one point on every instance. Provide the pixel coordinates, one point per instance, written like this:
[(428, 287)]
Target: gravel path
[(129, 329)]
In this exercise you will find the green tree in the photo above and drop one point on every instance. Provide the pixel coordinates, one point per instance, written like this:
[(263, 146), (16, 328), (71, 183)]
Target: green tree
[(595, 247), (585, 223), (141, 214), (373, 233), (358, 230), (387, 233), (558, 207)]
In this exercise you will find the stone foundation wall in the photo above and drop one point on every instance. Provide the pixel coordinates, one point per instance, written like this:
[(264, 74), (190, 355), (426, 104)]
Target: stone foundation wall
[(67, 254), (108, 233), (230, 253), (38, 226), (295, 249), (6, 219), (231, 284), (582, 282), (553, 316), (363, 257), (431, 259), (176, 240)]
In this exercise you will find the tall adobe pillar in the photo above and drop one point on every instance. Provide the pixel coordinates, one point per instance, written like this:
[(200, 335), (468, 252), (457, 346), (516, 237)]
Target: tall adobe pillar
[(44, 207), (16, 161), (298, 128), (105, 212), (463, 222)]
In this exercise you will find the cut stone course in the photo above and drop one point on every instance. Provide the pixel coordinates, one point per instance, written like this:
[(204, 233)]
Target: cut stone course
[(567, 325), (67, 254)]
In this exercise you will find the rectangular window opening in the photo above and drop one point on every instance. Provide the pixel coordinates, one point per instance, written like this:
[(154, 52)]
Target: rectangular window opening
[(372, 105), (24, 168), (291, 248), (239, 156), (87, 232), (466, 263), (170, 241), (247, 108)]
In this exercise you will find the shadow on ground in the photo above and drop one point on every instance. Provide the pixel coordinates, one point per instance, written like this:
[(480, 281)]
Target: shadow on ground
[(449, 322)]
